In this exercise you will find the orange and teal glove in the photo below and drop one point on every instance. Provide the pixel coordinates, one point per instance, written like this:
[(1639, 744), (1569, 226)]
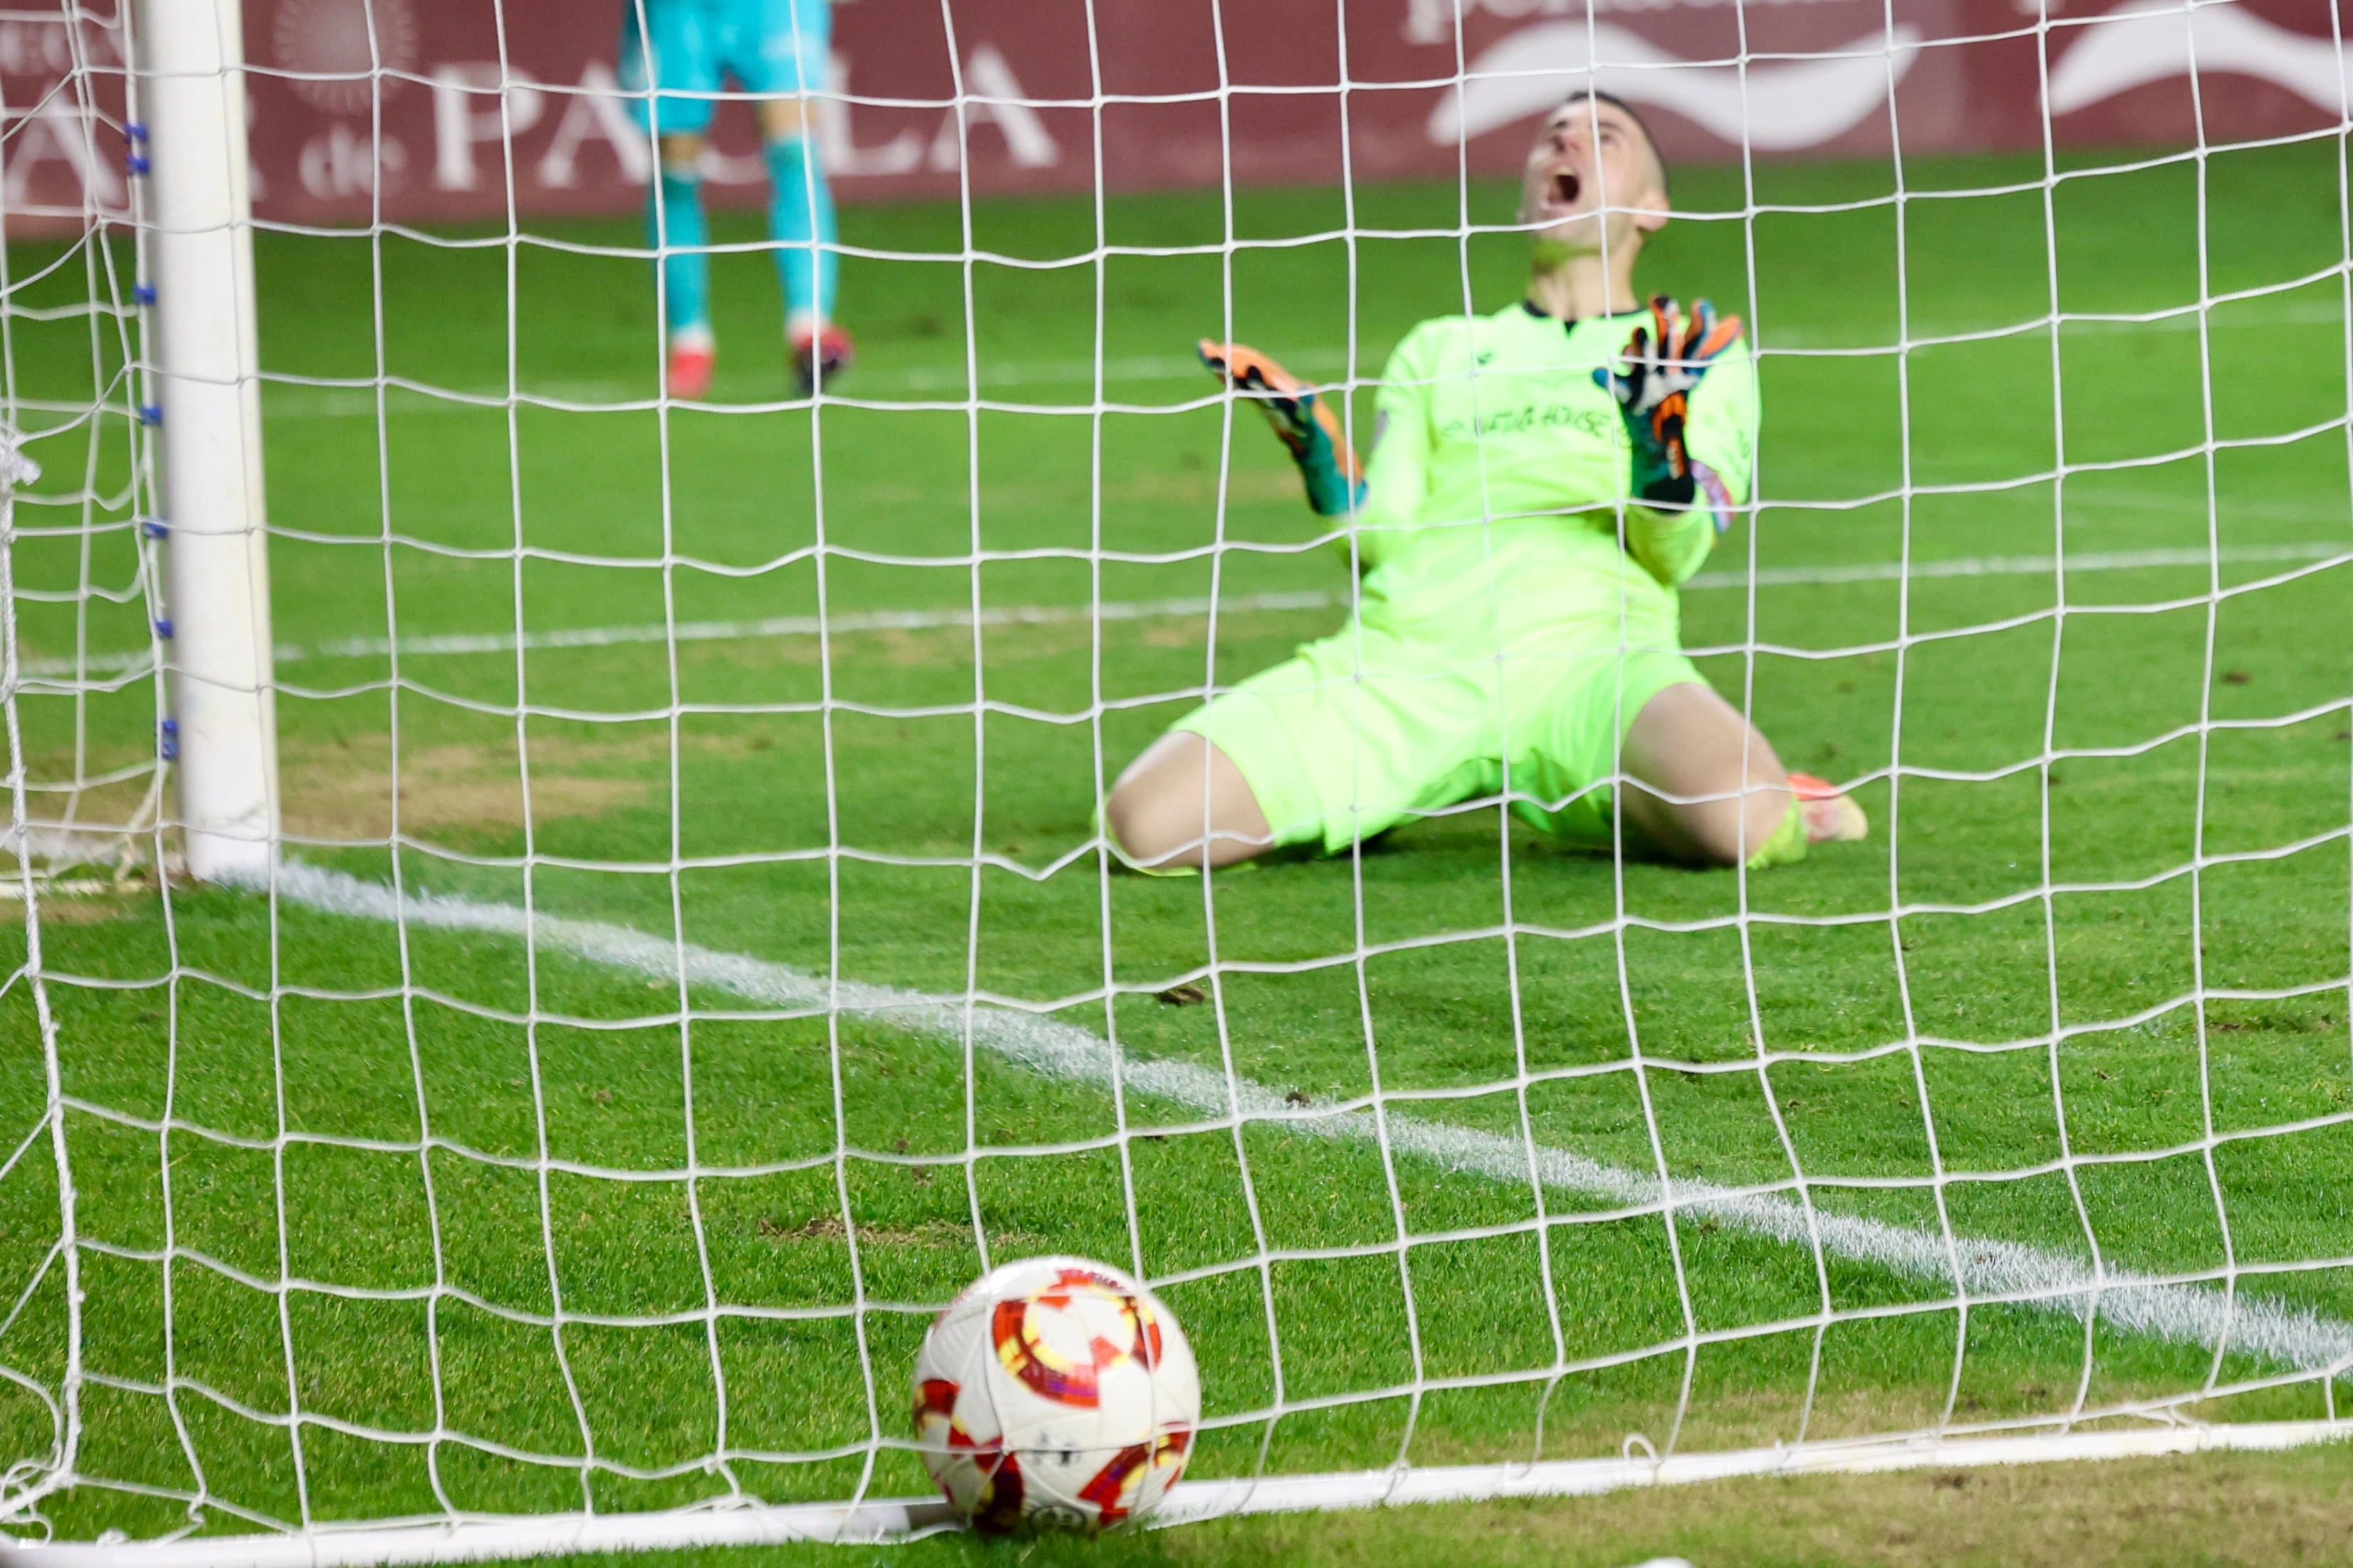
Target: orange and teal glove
[(1335, 481), (1661, 364)]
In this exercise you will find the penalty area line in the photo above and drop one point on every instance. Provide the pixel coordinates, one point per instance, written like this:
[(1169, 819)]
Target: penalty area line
[(2136, 1303), (848, 622)]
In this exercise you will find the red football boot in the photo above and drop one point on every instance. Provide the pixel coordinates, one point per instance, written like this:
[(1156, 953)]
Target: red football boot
[(820, 354)]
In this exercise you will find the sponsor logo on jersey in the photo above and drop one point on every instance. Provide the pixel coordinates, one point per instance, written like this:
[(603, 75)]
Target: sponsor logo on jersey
[(1528, 416)]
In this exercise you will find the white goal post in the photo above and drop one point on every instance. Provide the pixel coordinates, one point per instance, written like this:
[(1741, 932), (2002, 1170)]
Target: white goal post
[(197, 231), (485, 882)]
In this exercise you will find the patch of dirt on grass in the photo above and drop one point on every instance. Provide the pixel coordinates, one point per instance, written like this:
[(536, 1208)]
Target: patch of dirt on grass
[(344, 791), (930, 1232), (75, 912), (2207, 1509)]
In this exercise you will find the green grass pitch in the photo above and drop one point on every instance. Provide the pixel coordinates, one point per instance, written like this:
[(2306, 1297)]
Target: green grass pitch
[(325, 1166)]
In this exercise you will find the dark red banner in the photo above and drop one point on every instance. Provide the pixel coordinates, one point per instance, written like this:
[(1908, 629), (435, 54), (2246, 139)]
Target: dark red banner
[(419, 109)]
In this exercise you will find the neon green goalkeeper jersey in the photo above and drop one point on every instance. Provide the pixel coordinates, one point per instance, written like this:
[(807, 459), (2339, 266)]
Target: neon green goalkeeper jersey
[(1505, 637), (1498, 419)]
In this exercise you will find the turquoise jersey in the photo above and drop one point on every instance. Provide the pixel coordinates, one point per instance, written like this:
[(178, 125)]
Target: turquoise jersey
[(686, 49)]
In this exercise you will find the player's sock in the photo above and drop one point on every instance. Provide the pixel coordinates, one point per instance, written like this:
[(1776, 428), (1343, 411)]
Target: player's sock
[(1820, 814), (676, 224), (800, 219), (1787, 845)]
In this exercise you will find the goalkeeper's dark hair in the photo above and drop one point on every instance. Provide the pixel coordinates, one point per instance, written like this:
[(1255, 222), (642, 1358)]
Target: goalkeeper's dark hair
[(1658, 159)]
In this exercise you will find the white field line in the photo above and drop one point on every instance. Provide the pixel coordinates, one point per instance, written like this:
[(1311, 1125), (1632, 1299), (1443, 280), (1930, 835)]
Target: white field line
[(2180, 1314), (297, 400), (847, 621), (491, 1538)]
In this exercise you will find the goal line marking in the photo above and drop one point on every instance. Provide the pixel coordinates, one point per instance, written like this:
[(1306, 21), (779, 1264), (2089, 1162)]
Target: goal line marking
[(843, 622), (491, 1538), (1987, 1269)]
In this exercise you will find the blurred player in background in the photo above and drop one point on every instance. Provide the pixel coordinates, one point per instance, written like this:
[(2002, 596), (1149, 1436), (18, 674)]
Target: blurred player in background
[(680, 51), (1541, 481)]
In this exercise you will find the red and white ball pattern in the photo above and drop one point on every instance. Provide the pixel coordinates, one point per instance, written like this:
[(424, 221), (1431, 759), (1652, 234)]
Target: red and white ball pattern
[(1058, 1393)]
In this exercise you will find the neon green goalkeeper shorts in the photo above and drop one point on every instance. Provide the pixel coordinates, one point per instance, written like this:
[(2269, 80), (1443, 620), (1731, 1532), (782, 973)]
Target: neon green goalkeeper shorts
[(1374, 726)]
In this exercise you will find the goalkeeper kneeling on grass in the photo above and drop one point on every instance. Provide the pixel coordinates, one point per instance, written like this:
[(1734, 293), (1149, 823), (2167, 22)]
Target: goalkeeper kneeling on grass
[(1540, 482)]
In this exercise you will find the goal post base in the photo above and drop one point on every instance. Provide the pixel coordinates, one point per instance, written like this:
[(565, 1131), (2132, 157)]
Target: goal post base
[(491, 1540)]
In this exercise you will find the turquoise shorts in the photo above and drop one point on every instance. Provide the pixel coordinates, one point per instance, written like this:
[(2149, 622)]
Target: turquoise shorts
[(1372, 727), (774, 48)]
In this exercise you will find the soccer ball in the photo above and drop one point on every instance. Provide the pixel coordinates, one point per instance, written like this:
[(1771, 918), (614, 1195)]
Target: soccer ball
[(1055, 1393)]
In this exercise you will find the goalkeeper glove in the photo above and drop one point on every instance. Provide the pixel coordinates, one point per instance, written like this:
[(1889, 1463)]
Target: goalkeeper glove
[(1335, 482), (1663, 363)]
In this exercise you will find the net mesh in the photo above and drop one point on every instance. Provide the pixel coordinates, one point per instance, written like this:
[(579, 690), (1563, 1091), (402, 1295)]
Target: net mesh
[(693, 954)]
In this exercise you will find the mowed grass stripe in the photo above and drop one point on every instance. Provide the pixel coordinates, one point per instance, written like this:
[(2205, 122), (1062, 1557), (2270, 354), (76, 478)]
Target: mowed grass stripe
[(1989, 1271), (849, 621), (291, 398)]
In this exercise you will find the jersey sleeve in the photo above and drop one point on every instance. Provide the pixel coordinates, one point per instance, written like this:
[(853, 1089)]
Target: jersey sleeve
[(1396, 473), (1720, 434)]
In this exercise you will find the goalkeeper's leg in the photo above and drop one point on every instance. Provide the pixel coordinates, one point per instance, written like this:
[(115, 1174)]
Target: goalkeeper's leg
[(1183, 805), (1704, 786), (1329, 746)]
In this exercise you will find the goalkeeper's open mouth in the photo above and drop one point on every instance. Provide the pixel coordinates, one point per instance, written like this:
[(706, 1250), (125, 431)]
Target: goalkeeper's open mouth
[(1556, 196)]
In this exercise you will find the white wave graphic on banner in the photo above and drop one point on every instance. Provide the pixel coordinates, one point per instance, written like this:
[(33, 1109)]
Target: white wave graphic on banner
[(2152, 40), (1779, 105)]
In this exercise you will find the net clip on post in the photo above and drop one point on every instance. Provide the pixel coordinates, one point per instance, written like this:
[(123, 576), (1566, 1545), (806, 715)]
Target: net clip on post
[(17, 469)]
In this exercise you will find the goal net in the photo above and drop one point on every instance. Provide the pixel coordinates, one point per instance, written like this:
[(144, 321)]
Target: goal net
[(551, 925)]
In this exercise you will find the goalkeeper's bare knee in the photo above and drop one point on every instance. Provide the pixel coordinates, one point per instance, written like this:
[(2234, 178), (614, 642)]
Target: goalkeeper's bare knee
[(1183, 805)]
